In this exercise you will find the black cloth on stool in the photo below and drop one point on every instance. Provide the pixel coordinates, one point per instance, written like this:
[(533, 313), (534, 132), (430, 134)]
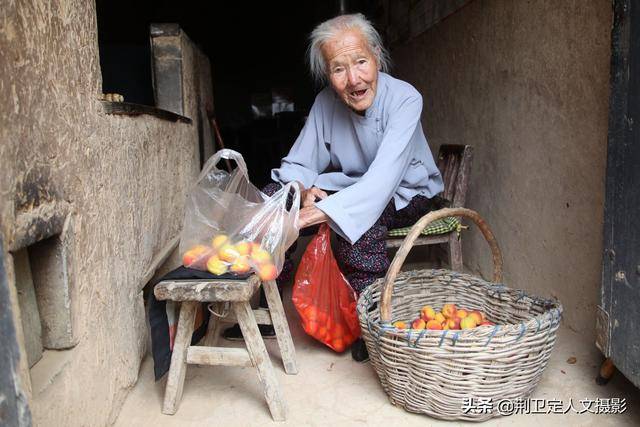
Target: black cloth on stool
[(159, 323)]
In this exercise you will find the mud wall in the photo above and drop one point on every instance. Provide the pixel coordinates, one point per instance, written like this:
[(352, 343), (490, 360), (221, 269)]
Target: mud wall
[(114, 186), (526, 83)]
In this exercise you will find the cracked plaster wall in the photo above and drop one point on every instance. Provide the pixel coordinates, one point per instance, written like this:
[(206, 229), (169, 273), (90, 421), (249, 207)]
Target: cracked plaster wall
[(125, 178)]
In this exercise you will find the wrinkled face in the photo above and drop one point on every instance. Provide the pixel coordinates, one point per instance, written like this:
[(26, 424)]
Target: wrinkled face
[(352, 69)]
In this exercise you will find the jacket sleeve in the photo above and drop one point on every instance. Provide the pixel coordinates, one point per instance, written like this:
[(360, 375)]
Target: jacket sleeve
[(309, 156), (353, 210)]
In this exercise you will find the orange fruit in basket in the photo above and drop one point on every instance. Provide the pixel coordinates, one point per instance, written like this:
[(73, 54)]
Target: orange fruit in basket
[(477, 316), (468, 323), (449, 310), (462, 313), (418, 324), (453, 323), (400, 324), (427, 313), (433, 325)]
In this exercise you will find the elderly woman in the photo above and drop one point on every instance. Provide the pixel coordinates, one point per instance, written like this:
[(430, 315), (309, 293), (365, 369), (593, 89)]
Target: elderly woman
[(362, 158)]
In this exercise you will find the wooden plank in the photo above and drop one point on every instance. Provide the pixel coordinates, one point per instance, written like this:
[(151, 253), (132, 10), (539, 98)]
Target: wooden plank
[(214, 326), (453, 176), (462, 181), (260, 359), (455, 253), (199, 355), (287, 350), (207, 290), (396, 242), (178, 369), (132, 109)]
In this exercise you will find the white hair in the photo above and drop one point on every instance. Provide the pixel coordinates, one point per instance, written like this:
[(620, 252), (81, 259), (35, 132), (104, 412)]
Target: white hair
[(331, 28)]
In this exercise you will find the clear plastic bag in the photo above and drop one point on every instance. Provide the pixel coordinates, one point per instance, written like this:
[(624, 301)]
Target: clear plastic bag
[(323, 297), (232, 227)]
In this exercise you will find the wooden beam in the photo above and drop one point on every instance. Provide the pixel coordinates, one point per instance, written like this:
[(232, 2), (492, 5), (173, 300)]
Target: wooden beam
[(178, 369), (420, 241), (263, 316), (199, 355), (207, 290)]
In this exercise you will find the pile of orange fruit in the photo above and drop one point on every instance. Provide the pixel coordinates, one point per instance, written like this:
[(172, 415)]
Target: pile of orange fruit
[(224, 256), (449, 318)]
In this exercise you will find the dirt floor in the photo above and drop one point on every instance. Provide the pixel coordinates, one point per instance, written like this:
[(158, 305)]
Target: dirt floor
[(332, 389)]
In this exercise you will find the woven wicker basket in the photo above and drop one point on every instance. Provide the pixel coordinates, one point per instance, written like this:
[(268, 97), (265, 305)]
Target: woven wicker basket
[(439, 373)]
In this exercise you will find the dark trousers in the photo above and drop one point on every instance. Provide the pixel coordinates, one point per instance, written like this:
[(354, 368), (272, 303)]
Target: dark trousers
[(367, 259)]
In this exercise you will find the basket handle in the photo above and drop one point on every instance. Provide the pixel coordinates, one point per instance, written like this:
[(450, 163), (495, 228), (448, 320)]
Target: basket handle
[(407, 244)]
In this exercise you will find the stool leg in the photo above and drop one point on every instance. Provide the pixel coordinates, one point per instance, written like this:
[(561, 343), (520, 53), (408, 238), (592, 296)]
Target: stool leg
[(178, 369), (455, 252), (279, 321), (260, 359), (215, 324)]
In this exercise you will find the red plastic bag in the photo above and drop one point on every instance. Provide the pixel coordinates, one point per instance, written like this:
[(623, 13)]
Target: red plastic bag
[(323, 297)]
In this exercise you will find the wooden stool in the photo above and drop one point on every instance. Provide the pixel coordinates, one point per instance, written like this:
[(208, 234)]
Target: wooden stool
[(238, 294)]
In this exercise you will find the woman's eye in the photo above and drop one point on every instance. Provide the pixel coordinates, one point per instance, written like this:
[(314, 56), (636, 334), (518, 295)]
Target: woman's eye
[(338, 70), (362, 61)]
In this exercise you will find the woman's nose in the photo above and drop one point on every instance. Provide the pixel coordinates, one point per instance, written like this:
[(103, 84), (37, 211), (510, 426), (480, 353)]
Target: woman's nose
[(353, 76)]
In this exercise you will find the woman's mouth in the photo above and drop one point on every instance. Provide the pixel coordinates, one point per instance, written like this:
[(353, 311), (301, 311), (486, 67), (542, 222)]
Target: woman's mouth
[(358, 94)]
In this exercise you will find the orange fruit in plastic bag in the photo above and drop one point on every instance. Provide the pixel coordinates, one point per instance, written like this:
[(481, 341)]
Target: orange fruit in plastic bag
[(322, 333), (338, 331), (338, 345), (228, 253), (311, 313), (241, 265), (260, 256), (193, 254), (322, 317), (243, 247), (216, 266), (311, 327), (267, 272), (219, 240)]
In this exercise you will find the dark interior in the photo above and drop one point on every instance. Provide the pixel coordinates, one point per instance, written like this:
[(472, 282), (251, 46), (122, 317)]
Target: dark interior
[(256, 49)]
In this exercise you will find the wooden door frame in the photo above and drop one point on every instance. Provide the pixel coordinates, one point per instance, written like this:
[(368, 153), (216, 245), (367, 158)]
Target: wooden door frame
[(616, 332)]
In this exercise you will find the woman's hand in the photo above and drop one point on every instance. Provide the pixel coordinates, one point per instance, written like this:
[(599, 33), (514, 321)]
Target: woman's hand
[(311, 215), (309, 196)]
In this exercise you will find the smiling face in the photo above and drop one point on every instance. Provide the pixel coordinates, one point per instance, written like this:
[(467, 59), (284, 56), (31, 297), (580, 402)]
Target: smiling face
[(352, 69)]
